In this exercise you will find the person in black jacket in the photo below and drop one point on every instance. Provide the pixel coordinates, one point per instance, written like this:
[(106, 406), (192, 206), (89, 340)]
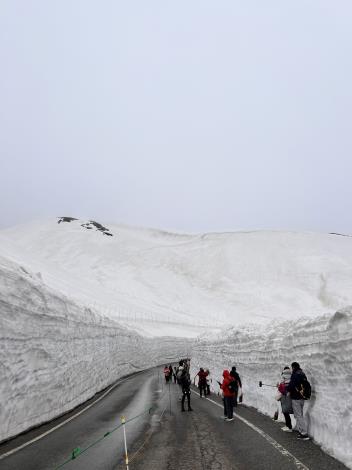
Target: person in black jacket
[(297, 379), (185, 383), (235, 375)]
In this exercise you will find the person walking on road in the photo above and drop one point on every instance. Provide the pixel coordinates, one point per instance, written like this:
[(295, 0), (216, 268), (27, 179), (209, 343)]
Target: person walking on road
[(167, 374), (298, 378), (237, 379), (228, 388), (202, 382), (208, 381), (185, 382), (285, 399), (179, 372), (171, 373)]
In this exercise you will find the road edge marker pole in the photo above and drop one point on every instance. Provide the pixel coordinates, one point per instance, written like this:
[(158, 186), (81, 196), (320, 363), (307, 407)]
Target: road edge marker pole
[(123, 421)]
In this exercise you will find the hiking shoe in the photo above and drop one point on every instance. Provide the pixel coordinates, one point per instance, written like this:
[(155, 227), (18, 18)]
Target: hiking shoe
[(286, 429), (229, 419), (303, 437)]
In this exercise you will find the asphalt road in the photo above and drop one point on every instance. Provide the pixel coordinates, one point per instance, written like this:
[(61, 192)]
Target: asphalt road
[(133, 396), (202, 440), (166, 439)]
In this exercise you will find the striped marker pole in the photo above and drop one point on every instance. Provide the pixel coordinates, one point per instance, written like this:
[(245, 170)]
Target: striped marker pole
[(123, 421)]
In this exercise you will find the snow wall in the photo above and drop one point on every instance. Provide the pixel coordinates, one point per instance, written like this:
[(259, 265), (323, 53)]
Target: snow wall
[(323, 348), (55, 355)]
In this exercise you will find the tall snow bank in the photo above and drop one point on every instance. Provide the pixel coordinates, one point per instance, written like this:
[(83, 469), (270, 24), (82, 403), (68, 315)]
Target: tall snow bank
[(54, 355), (322, 346)]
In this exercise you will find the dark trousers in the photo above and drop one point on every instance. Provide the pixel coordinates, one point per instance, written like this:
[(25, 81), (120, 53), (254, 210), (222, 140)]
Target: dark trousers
[(186, 394), (228, 407), (202, 388), (235, 399), (288, 420)]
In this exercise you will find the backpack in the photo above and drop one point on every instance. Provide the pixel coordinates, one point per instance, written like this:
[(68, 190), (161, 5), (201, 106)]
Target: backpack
[(232, 386), (179, 375), (305, 390)]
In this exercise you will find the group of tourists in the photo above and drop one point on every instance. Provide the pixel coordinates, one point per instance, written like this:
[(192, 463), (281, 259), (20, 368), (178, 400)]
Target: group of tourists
[(204, 381), (169, 373), (230, 386), (293, 390), (180, 375)]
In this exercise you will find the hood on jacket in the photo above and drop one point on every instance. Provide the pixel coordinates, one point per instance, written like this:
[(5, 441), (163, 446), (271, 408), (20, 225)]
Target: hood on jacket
[(286, 376), (226, 373)]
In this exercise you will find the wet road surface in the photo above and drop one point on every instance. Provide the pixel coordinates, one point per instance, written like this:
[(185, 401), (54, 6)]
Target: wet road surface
[(202, 440), (166, 438), (133, 396)]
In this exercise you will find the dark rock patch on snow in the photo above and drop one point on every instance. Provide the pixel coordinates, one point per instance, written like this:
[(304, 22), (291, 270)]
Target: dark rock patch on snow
[(99, 227), (90, 225), (66, 219), (340, 234)]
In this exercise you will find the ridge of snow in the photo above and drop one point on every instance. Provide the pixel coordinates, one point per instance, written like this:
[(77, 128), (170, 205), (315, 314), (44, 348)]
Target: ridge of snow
[(187, 284)]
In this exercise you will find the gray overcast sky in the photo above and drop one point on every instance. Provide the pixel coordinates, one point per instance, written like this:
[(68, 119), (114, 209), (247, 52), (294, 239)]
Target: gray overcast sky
[(195, 115)]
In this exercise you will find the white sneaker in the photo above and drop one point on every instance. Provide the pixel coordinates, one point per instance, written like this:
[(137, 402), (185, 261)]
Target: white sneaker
[(286, 429), (229, 419)]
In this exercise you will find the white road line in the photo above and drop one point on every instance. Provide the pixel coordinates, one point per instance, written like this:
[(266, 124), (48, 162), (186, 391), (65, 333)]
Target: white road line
[(266, 436), (16, 449)]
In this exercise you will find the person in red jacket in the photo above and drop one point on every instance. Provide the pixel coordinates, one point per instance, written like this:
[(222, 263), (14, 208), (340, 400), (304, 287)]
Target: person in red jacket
[(202, 381), (229, 393)]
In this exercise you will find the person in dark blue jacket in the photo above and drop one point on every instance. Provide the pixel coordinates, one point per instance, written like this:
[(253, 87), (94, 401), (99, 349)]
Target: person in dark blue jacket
[(297, 379), (185, 383), (237, 378)]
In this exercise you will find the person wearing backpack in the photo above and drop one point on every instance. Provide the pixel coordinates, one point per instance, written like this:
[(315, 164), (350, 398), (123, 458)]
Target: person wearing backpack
[(185, 382), (228, 387), (237, 379), (299, 391), (202, 382)]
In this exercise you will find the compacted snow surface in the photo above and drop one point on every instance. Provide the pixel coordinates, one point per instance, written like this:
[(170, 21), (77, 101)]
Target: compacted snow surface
[(81, 303)]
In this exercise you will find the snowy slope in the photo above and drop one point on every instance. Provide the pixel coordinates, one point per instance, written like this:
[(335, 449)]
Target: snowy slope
[(186, 284), (322, 346), (55, 355)]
